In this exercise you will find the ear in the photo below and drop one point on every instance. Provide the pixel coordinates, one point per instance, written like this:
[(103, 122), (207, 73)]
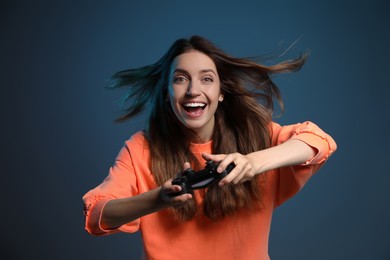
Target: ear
[(220, 98)]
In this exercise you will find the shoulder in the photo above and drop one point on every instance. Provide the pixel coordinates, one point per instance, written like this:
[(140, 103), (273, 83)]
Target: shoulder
[(137, 140), (134, 147)]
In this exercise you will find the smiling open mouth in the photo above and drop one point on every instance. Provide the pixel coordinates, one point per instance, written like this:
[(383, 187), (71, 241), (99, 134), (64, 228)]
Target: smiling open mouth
[(194, 108)]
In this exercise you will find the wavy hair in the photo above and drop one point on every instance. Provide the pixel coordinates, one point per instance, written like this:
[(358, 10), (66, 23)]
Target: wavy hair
[(242, 120)]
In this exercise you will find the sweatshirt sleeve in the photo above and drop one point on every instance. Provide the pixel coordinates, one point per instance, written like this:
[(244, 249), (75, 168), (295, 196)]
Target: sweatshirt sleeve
[(120, 183), (290, 180)]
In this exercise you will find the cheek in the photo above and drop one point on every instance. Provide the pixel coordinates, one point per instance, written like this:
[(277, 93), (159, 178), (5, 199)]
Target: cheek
[(173, 97), (214, 94), (174, 93)]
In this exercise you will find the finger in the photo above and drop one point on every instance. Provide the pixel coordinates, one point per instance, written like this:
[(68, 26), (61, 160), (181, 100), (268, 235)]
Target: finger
[(169, 188), (182, 198), (229, 178), (180, 202), (173, 189), (213, 157), (246, 174), (186, 166), (235, 173), (226, 161), (241, 177)]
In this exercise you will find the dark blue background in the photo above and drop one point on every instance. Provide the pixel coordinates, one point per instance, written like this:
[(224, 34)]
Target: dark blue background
[(59, 139)]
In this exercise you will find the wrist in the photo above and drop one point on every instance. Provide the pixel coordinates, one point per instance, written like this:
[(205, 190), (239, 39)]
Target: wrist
[(264, 160)]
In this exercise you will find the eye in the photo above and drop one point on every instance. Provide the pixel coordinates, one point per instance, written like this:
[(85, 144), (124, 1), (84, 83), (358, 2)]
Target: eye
[(208, 79), (179, 79)]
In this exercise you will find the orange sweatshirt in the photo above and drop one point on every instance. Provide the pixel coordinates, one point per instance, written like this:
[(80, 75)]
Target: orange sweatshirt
[(243, 235)]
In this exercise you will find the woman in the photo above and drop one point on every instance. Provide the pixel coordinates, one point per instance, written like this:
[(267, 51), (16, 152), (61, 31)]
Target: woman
[(205, 105)]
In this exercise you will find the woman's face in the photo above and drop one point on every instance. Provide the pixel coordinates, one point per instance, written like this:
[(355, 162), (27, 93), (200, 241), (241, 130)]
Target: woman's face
[(194, 92)]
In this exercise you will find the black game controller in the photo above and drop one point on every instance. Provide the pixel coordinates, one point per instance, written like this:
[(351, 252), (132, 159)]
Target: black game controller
[(190, 180)]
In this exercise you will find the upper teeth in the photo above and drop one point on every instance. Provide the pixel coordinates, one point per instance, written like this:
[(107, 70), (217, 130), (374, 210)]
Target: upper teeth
[(194, 105)]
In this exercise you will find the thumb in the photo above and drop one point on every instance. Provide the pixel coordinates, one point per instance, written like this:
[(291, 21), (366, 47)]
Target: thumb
[(213, 157), (186, 166)]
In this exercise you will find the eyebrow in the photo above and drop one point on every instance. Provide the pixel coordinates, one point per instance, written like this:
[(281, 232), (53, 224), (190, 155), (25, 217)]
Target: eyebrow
[(186, 72)]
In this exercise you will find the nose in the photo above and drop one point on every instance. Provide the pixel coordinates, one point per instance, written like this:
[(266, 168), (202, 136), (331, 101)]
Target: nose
[(193, 89)]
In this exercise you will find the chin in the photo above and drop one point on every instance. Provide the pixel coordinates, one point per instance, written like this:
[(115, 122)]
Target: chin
[(197, 125), (194, 126)]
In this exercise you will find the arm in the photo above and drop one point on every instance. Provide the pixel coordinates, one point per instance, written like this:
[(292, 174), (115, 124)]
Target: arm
[(121, 211), (291, 152), (117, 203), (300, 144)]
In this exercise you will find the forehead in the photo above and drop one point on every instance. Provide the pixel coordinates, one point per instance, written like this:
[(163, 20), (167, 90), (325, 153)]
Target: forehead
[(193, 61)]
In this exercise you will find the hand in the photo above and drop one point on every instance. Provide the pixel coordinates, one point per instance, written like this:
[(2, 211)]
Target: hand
[(167, 190), (243, 170)]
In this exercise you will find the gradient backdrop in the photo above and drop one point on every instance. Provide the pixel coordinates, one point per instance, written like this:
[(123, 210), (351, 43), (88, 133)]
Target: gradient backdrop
[(59, 139)]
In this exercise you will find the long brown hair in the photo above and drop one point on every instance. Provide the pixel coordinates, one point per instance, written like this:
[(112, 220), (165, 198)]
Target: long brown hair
[(242, 120)]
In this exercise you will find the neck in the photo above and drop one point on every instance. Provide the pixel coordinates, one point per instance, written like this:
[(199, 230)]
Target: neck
[(199, 136)]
